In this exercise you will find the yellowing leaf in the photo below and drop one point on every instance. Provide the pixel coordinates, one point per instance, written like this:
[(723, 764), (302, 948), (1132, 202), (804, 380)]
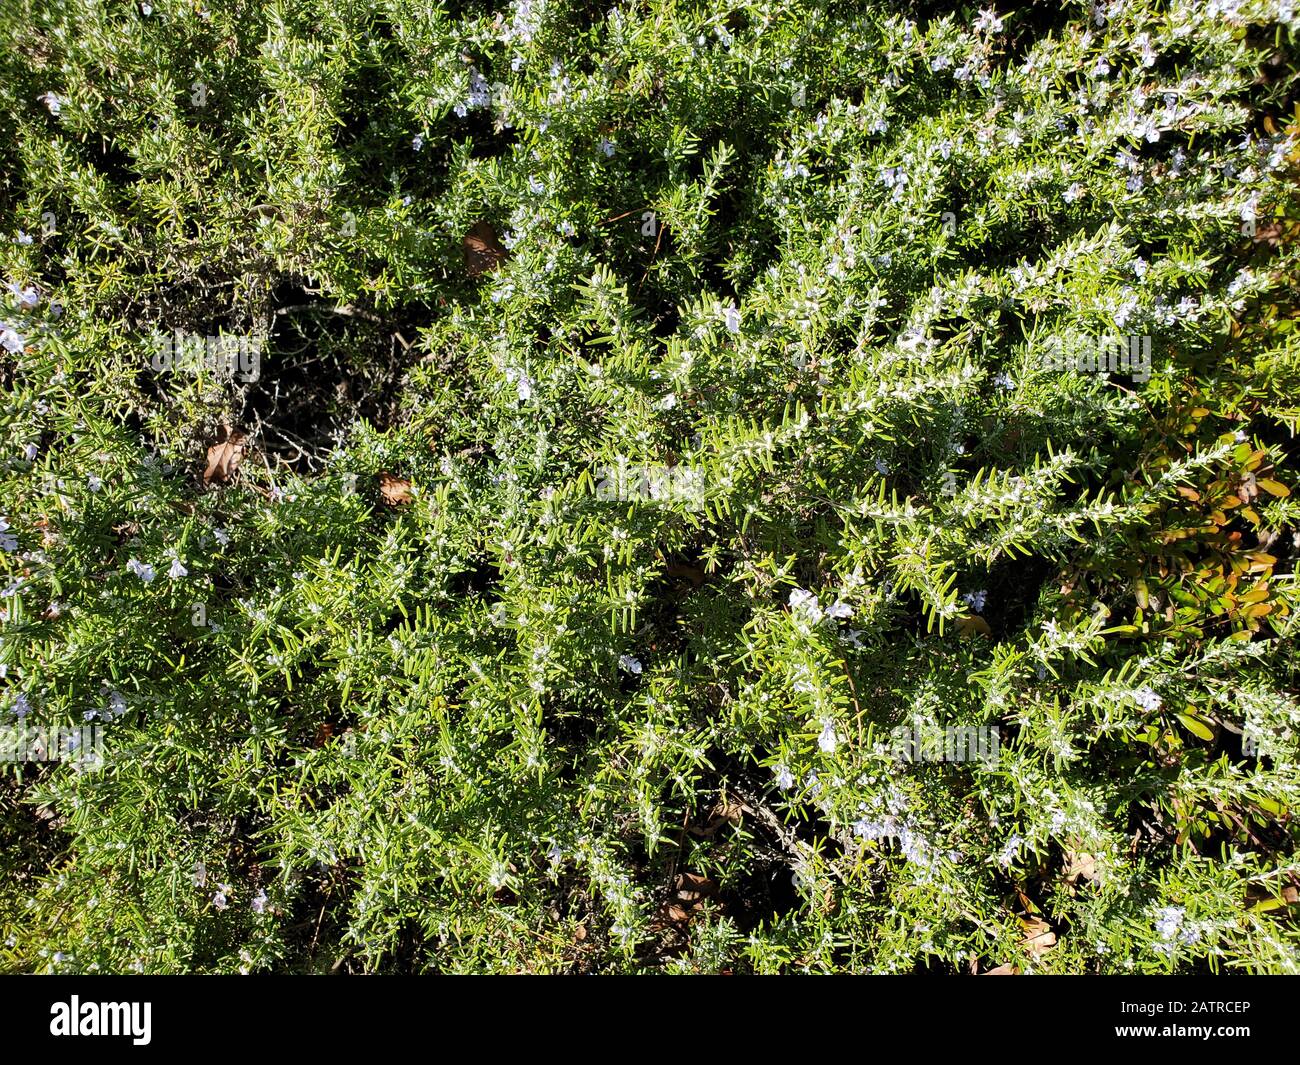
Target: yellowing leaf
[(972, 625), (1196, 726)]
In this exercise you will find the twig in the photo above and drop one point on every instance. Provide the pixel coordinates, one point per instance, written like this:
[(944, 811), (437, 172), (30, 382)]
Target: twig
[(347, 310), (618, 217)]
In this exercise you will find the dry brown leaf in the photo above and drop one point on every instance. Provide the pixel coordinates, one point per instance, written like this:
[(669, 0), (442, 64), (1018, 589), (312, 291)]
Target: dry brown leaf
[(394, 490), (1079, 867), (225, 456), (724, 813), (1270, 234), (690, 890), (1248, 489), (1003, 970), (694, 888), (1039, 936), (483, 252)]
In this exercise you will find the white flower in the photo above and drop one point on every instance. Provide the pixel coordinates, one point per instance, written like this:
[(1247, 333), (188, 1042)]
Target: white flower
[(731, 318), (1143, 40), (1009, 852), (839, 610), (1147, 699), (630, 665), (26, 297), (1169, 919), (523, 383), (222, 537), (219, 900), (144, 572), (51, 101), (30, 452), (94, 483), (8, 541), (259, 902), (566, 229), (1072, 193), (828, 740), (988, 22), (11, 340), (805, 603), (177, 569), (200, 874), (417, 142), (976, 600), (606, 145), (784, 778)]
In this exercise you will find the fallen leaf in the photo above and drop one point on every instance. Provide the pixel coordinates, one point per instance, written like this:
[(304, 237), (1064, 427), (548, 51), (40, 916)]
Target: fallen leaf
[(1270, 234), (394, 490), (689, 892), (1079, 867), (1039, 936), (1003, 970), (483, 252), (693, 888), (225, 456)]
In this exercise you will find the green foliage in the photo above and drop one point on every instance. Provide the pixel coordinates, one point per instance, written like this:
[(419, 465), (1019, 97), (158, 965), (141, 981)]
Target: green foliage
[(749, 452)]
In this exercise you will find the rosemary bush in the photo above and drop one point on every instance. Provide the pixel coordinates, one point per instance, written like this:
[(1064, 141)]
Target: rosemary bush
[(657, 434)]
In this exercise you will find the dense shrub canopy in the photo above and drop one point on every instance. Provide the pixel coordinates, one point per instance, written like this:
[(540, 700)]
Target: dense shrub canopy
[(633, 420)]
